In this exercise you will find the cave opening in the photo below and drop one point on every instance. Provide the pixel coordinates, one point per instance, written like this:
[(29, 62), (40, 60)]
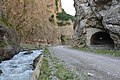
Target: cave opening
[(102, 39)]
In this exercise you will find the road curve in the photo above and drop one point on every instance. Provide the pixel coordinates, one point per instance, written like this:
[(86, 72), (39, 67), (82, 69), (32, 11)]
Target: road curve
[(90, 66)]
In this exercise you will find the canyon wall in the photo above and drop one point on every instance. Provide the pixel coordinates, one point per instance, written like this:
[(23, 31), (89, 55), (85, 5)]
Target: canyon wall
[(27, 22), (97, 23), (30, 19)]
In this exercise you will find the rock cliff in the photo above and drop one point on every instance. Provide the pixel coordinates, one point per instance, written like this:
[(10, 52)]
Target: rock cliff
[(30, 19), (97, 23), (9, 43), (27, 21)]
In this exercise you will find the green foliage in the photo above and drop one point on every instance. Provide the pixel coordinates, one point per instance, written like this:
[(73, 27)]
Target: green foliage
[(111, 52), (64, 74), (2, 44), (5, 21), (46, 51), (45, 71), (56, 2), (64, 16)]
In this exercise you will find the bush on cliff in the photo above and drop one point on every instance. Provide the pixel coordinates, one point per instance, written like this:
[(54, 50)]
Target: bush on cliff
[(64, 16)]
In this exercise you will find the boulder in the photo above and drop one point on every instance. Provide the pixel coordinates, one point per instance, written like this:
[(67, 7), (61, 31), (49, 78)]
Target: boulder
[(28, 52), (9, 43), (0, 72)]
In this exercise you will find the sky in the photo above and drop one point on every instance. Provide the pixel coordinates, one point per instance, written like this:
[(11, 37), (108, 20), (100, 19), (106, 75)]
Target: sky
[(67, 5)]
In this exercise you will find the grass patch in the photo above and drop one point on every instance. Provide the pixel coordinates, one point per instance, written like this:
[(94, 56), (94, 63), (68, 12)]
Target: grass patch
[(63, 74), (56, 2), (5, 21), (115, 53), (45, 71), (52, 67), (46, 51), (111, 52), (2, 44)]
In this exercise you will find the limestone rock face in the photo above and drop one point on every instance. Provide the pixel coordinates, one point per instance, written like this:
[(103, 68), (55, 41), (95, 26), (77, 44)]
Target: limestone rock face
[(31, 19), (100, 16), (27, 21)]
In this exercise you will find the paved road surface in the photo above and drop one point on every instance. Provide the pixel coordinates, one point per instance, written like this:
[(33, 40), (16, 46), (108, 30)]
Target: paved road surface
[(88, 65)]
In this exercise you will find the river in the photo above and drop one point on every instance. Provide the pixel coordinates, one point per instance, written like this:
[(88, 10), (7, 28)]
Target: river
[(19, 67)]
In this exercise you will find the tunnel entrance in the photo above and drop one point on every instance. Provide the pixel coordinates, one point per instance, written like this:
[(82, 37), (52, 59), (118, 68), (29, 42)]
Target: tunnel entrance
[(102, 40)]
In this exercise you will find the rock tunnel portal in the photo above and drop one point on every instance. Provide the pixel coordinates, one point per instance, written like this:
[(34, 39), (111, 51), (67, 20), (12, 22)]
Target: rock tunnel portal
[(102, 39)]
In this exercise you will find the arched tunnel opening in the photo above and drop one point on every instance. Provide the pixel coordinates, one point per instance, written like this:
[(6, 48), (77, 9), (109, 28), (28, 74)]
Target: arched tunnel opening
[(102, 39)]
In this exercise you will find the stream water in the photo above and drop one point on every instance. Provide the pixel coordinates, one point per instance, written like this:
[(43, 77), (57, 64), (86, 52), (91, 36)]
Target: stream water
[(19, 67)]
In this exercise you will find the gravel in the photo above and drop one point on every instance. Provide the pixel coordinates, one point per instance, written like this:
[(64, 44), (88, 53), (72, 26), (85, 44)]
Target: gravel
[(90, 66)]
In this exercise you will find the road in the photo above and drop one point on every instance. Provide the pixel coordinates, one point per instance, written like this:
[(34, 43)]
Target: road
[(89, 66)]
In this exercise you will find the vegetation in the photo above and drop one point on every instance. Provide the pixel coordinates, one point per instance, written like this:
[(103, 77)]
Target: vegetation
[(64, 16), (45, 71), (56, 2), (52, 67), (2, 44), (107, 52), (5, 21), (63, 74)]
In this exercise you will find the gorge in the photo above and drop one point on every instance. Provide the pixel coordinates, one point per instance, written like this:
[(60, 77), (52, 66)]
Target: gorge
[(44, 25), (37, 22)]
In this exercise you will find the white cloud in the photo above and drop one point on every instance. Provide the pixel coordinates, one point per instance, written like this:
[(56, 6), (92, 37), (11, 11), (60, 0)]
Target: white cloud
[(67, 5)]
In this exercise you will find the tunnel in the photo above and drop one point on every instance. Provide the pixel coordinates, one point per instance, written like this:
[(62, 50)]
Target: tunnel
[(102, 39)]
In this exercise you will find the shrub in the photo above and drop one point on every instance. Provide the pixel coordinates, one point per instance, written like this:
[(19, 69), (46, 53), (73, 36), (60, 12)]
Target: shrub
[(56, 2), (64, 16)]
